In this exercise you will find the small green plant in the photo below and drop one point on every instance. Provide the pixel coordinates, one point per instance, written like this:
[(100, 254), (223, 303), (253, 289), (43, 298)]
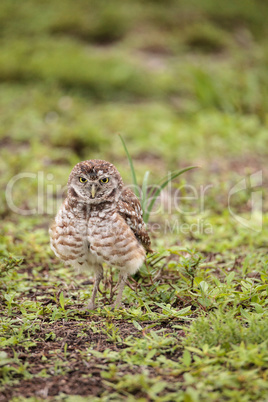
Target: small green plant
[(9, 263), (149, 197), (223, 329)]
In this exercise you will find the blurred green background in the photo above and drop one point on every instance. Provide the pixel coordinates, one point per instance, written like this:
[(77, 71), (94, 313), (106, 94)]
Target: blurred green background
[(184, 81)]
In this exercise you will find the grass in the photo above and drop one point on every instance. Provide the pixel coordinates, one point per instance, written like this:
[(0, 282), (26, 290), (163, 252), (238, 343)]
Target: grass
[(202, 321), (185, 85), (148, 197)]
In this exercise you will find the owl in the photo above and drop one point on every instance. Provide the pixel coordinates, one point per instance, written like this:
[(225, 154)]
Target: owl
[(100, 222)]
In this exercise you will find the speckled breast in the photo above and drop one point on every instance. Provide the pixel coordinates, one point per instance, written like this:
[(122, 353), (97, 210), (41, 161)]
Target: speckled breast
[(68, 236), (112, 241)]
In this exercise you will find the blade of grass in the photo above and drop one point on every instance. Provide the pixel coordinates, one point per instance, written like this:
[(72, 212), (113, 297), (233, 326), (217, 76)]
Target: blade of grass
[(161, 186), (172, 175), (144, 190), (134, 179)]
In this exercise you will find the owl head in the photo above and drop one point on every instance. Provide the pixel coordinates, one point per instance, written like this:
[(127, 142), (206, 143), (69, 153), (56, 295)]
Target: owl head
[(94, 181)]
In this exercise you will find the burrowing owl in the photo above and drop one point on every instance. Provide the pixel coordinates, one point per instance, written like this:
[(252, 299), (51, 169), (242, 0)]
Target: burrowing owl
[(99, 222)]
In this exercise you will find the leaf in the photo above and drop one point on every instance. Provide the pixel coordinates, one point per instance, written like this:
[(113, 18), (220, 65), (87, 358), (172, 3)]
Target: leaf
[(184, 311), (137, 325), (258, 308), (133, 173), (245, 314), (144, 190), (204, 286), (194, 350), (246, 285), (151, 354), (186, 358), (158, 387), (176, 313), (62, 301), (3, 355), (9, 341), (230, 277)]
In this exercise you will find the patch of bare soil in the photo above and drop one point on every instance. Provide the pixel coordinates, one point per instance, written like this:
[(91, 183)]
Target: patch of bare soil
[(72, 369)]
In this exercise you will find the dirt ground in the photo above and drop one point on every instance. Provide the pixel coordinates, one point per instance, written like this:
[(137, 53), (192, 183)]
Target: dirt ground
[(74, 370)]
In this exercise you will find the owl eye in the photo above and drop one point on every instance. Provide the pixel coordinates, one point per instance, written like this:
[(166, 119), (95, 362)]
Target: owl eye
[(104, 180), (82, 180)]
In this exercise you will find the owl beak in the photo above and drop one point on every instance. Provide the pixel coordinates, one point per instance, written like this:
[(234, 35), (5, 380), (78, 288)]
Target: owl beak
[(93, 190)]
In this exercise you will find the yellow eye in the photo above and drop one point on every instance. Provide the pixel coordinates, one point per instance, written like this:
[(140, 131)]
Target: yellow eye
[(82, 179), (104, 180)]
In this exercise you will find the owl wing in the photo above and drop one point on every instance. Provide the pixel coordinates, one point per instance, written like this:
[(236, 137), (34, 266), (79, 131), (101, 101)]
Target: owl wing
[(129, 208)]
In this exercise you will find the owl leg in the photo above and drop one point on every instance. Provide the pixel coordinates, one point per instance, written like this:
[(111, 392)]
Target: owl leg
[(98, 277), (121, 285)]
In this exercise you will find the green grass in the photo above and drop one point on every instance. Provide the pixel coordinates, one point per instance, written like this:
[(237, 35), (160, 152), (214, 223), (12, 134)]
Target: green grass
[(197, 328), (185, 84)]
